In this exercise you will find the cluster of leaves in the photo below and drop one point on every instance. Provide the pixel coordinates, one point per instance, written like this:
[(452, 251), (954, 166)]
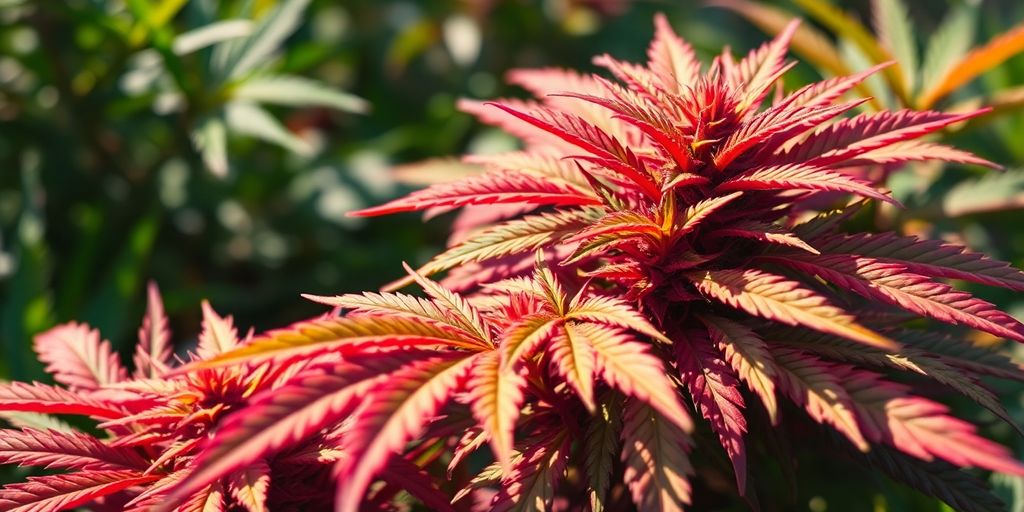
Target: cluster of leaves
[(951, 61), (152, 422), (948, 64), (654, 250), (688, 198)]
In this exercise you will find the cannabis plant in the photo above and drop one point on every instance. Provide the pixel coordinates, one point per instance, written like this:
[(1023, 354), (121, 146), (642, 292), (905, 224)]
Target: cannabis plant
[(949, 71), (649, 270), (152, 425), (948, 63)]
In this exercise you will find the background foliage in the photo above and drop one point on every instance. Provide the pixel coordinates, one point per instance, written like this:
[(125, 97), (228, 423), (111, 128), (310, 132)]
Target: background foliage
[(103, 186)]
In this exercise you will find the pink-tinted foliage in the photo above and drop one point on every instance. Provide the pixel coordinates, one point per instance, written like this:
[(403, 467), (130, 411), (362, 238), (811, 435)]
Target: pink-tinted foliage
[(149, 427), (652, 262)]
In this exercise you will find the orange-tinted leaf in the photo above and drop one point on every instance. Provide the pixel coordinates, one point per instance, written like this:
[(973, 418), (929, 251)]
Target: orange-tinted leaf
[(749, 357), (894, 284), (975, 63), (250, 486), (654, 451), (495, 397), (627, 365), (776, 298), (812, 384)]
